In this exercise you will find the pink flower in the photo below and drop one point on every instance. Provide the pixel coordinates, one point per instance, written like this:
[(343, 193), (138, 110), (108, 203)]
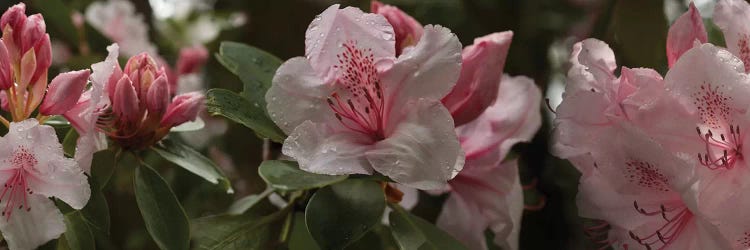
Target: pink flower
[(732, 17), (118, 21), (191, 59), (351, 107), (481, 71), (408, 30), (84, 116), (487, 193), (35, 169), (682, 35)]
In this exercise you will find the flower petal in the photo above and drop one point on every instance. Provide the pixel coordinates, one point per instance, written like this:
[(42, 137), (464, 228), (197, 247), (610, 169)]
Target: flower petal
[(422, 149), (593, 63), (513, 118), (298, 95), (481, 72), (733, 18), (332, 28), (429, 70), (30, 229), (408, 30), (684, 32), (324, 150)]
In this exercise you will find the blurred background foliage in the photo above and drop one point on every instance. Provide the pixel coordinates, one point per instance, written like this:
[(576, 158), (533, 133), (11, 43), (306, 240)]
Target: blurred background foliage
[(544, 31)]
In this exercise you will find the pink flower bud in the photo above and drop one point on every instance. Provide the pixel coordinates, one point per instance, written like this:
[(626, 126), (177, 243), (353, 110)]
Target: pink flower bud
[(481, 71), (158, 96), (407, 29), (191, 59), (64, 92), (5, 69), (125, 103), (682, 35), (183, 108), (32, 32), (43, 54), (142, 70), (11, 23)]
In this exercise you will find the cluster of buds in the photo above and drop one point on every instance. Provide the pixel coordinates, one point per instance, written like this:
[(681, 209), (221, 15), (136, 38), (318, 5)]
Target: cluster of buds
[(143, 110)]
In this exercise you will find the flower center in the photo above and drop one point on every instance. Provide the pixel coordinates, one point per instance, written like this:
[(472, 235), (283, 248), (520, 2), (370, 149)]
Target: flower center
[(675, 219), (16, 190), (358, 102), (644, 174), (721, 152)]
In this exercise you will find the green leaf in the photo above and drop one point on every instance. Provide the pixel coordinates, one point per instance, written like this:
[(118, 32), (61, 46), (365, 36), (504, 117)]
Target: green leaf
[(69, 142), (192, 161), (380, 237), (238, 109), (57, 121), (77, 232), (247, 202), (103, 166), (188, 126), (96, 211), (254, 66), (247, 231), (340, 214), (300, 237), (162, 213), (286, 176), (412, 232)]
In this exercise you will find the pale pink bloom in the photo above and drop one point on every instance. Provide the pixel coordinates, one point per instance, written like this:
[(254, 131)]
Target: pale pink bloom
[(683, 34), (710, 83), (118, 21), (351, 107), (408, 30), (487, 193), (733, 18), (63, 92), (34, 168), (191, 59), (481, 68), (92, 103), (593, 87)]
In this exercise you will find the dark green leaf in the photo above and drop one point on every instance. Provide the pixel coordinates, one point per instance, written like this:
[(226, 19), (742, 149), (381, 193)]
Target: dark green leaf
[(103, 166), (300, 237), (162, 213), (247, 202), (380, 237), (192, 161), (254, 66), (69, 143), (412, 232), (77, 232), (96, 211), (237, 108), (247, 231), (340, 214), (286, 176)]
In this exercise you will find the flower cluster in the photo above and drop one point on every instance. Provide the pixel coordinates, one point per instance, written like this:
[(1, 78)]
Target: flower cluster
[(382, 93), (662, 159)]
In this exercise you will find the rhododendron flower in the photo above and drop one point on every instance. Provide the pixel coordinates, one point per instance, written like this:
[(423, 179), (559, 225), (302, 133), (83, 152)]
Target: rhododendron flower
[(481, 71), (682, 35), (118, 21), (33, 169), (487, 193), (84, 115), (351, 107)]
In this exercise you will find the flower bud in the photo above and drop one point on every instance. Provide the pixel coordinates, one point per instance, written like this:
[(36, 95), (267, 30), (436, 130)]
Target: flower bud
[(142, 70), (183, 108), (12, 23), (64, 92), (125, 103), (158, 96), (33, 31), (407, 29), (191, 59)]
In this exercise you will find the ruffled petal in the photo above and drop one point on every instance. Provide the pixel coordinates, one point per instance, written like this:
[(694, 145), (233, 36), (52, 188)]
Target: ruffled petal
[(684, 32), (481, 72), (30, 229), (429, 70), (513, 118), (422, 149), (323, 150), (298, 95), (733, 18), (334, 27)]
